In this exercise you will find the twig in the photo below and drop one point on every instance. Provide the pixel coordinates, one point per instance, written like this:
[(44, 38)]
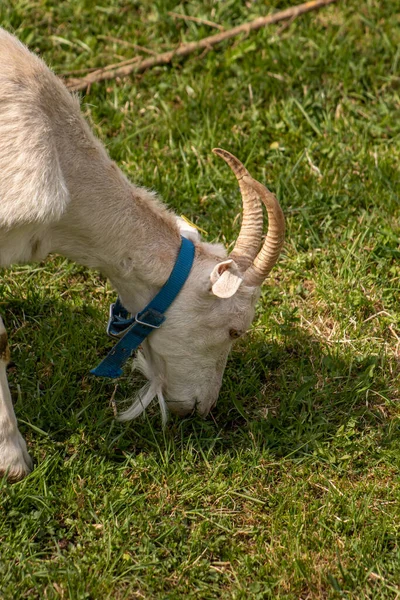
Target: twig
[(129, 61), (80, 71), (285, 25), (97, 72), (381, 312), (109, 38), (313, 167), (391, 329), (164, 58), (196, 20), (396, 350)]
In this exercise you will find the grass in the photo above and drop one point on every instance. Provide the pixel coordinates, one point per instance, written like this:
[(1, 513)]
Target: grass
[(291, 490)]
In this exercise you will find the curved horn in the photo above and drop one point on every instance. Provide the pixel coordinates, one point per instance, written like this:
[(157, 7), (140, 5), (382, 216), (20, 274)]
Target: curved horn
[(272, 246), (249, 239)]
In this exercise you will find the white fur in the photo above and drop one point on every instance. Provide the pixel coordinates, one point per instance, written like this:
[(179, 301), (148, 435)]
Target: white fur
[(163, 407), (60, 192), (148, 392), (151, 390), (141, 402), (14, 458)]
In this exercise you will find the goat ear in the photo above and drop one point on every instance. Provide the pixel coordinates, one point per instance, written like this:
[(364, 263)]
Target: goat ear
[(225, 279)]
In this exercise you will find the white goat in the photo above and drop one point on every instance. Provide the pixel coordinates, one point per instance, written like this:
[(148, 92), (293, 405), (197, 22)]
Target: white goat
[(60, 192)]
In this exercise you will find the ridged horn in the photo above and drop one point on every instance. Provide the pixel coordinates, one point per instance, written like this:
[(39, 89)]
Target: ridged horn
[(249, 239), (272, 246)]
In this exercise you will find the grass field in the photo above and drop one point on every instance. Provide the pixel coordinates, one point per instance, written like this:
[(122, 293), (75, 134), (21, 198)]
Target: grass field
[(291, 489)]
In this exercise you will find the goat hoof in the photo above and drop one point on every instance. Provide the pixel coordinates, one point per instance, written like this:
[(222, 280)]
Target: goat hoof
[(15, 462)]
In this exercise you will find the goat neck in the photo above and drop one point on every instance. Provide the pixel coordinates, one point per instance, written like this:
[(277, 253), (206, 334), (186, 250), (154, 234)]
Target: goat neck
[(116, 227)]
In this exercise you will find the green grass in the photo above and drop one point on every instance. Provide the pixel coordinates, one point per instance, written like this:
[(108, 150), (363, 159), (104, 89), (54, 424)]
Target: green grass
[(291, 489)]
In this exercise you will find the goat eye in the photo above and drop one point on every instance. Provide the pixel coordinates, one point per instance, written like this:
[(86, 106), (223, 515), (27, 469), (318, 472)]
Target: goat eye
[(234, 334)]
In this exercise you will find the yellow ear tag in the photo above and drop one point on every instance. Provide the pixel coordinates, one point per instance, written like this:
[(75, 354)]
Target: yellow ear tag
[(189, 222)]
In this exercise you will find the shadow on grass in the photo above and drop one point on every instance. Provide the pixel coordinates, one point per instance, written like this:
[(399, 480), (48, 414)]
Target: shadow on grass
[(288, 396), (293, 396)]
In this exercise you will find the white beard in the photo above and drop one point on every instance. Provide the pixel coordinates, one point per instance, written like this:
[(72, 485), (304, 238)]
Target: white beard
[(146, 395)]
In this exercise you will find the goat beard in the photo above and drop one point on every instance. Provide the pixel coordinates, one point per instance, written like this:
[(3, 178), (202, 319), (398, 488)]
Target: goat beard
[(146, 395)]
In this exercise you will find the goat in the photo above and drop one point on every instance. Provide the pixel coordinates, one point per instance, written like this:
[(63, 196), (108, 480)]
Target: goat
[(60, 192)]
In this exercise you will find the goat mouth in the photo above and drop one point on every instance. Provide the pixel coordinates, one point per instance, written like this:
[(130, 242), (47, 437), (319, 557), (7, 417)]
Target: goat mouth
[(203, 412), (181, 408)]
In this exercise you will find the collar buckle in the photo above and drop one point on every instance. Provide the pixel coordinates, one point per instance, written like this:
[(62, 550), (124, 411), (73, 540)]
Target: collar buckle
[(110, 322), (118, 324), (157, 321)]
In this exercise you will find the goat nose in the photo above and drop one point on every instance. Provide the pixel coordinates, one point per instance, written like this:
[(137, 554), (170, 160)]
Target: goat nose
[(204, 410), (181, 408)]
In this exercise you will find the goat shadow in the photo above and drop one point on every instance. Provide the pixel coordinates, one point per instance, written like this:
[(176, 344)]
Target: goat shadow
[(287, 397)]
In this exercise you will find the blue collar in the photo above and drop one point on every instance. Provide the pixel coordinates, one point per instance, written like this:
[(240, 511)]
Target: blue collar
[(133, 330)]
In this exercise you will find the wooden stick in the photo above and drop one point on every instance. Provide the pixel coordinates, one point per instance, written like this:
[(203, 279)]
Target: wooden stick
[(95, 70), (77, 84), (97, 73)]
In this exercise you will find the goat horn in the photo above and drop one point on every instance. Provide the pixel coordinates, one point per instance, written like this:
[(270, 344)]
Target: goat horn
[(249, 239), (272, 246)]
